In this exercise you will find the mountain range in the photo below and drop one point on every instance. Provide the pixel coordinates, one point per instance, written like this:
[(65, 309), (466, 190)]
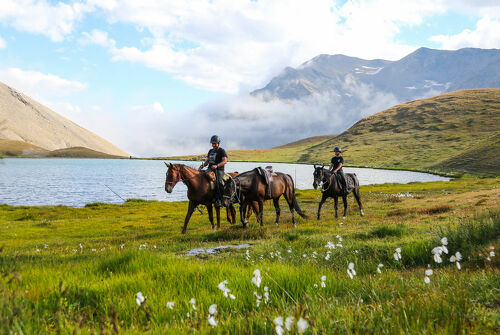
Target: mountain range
[(423, 73)]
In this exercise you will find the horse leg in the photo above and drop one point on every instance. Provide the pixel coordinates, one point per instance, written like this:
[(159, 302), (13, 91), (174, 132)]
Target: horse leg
[(276, 202), (191, 207), (344, 200), (336, 202), (243, 207), (261, 212), (217, 213), (210, 215), (252, 207), (323, 199), (358, 200), (233, 214)]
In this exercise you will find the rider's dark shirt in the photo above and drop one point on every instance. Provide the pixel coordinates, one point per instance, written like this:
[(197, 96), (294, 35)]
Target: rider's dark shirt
[(215, 156), (336, 162)]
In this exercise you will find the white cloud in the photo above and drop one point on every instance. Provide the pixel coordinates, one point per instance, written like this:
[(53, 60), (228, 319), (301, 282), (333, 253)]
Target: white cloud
[(41, 17), (155, 107), (3, 44), (36, 84), (486, 35), (230, 46)]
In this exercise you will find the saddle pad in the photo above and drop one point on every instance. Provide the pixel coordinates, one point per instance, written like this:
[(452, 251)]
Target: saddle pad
[(349, 181)]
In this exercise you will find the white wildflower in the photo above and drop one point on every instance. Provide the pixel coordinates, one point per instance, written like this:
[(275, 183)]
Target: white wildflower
[(437, 251), (289, 251), (427, 280), (139, 298), (192, 302), (350, 270), (170, 304), (379, 267), (212, 321), (256, 278), (212, 310), (330, 245), (428, 272), (225, 290), (289, 322), (456, 258), (266, 295), (302, 325), (279, 325), (327, 257), (444, 241), (259, 298), (323, 279), (397, 254), (492, 254)]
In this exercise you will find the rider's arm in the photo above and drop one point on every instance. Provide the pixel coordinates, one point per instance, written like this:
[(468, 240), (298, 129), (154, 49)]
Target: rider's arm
[(205, 163), (223, 162), (331, 167)]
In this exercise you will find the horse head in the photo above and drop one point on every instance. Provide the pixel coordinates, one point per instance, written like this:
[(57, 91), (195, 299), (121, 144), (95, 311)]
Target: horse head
[(173, 177), (318, 176)]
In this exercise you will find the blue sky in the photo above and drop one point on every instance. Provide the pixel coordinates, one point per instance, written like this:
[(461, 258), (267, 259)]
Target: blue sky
[(117, 67)]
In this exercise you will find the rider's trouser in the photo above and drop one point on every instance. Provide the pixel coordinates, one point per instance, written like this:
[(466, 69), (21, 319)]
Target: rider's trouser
[(219, 187), (342, 181)]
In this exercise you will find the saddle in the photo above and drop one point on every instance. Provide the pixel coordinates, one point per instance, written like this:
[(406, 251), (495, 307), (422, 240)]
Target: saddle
[(210, 175), (268, 174)]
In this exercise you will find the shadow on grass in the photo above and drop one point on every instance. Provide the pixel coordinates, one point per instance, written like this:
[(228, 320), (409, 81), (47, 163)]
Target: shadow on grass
[(383, 231), (236, 233)]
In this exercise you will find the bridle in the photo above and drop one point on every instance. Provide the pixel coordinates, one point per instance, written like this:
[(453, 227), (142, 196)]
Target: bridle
[(320, 179), (183, 180)]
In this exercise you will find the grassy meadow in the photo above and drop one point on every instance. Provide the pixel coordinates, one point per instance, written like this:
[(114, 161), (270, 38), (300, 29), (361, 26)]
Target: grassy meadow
[(77, 270)]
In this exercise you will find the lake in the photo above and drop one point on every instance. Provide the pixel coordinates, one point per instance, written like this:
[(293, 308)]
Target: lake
[(76, 182)]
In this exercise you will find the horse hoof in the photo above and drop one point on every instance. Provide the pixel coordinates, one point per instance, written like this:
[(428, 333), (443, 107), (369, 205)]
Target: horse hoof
[(276, 223), (362, 214), (294, 225), (183, 231), (344, 217)]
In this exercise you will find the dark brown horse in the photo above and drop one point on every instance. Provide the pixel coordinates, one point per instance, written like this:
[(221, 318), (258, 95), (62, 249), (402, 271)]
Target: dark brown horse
[(330, 188), (199, 192), (250, 188)]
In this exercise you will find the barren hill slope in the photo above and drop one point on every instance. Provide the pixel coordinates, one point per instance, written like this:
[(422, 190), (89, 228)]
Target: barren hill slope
[(24, 119)]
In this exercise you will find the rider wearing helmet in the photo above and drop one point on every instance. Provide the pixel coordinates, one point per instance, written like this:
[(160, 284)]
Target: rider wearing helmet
[(216, 159), (336, 167)]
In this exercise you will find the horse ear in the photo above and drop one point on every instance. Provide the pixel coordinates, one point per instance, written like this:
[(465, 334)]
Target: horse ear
[(314, 166)]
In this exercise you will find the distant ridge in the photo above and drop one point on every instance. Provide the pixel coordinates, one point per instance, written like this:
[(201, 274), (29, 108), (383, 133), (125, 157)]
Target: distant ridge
[(423, 73), (23, 119)]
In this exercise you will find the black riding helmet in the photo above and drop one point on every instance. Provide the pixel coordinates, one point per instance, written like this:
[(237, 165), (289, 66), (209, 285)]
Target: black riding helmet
[(337, 149), (215, 139)]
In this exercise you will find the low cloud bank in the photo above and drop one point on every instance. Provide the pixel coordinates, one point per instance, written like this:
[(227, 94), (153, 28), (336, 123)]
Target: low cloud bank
[(245, 122)]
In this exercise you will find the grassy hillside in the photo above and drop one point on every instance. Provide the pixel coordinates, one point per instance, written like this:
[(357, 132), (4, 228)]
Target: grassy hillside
[(292, 152), (77, 270), (457, 132), (79, 152), (9, 148)]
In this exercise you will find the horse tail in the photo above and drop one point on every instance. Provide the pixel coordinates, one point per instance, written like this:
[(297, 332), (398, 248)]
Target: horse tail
[(294, 200)]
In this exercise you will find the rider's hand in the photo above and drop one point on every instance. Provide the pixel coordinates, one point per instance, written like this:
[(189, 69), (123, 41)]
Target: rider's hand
[(213, 167)]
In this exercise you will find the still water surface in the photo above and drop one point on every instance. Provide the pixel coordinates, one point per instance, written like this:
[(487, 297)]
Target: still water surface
[(76, 182)]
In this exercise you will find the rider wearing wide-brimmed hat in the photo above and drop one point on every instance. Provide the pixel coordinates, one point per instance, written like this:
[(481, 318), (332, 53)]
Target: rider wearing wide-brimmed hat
[(336, 167), (216, 159)]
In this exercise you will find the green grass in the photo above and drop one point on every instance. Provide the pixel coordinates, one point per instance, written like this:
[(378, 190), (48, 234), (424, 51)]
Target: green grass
[(455, 133), (49, 284)]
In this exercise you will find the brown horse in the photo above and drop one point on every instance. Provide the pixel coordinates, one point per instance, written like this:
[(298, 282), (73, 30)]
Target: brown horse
[(250, 188), (199, 192), (330, 188)]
